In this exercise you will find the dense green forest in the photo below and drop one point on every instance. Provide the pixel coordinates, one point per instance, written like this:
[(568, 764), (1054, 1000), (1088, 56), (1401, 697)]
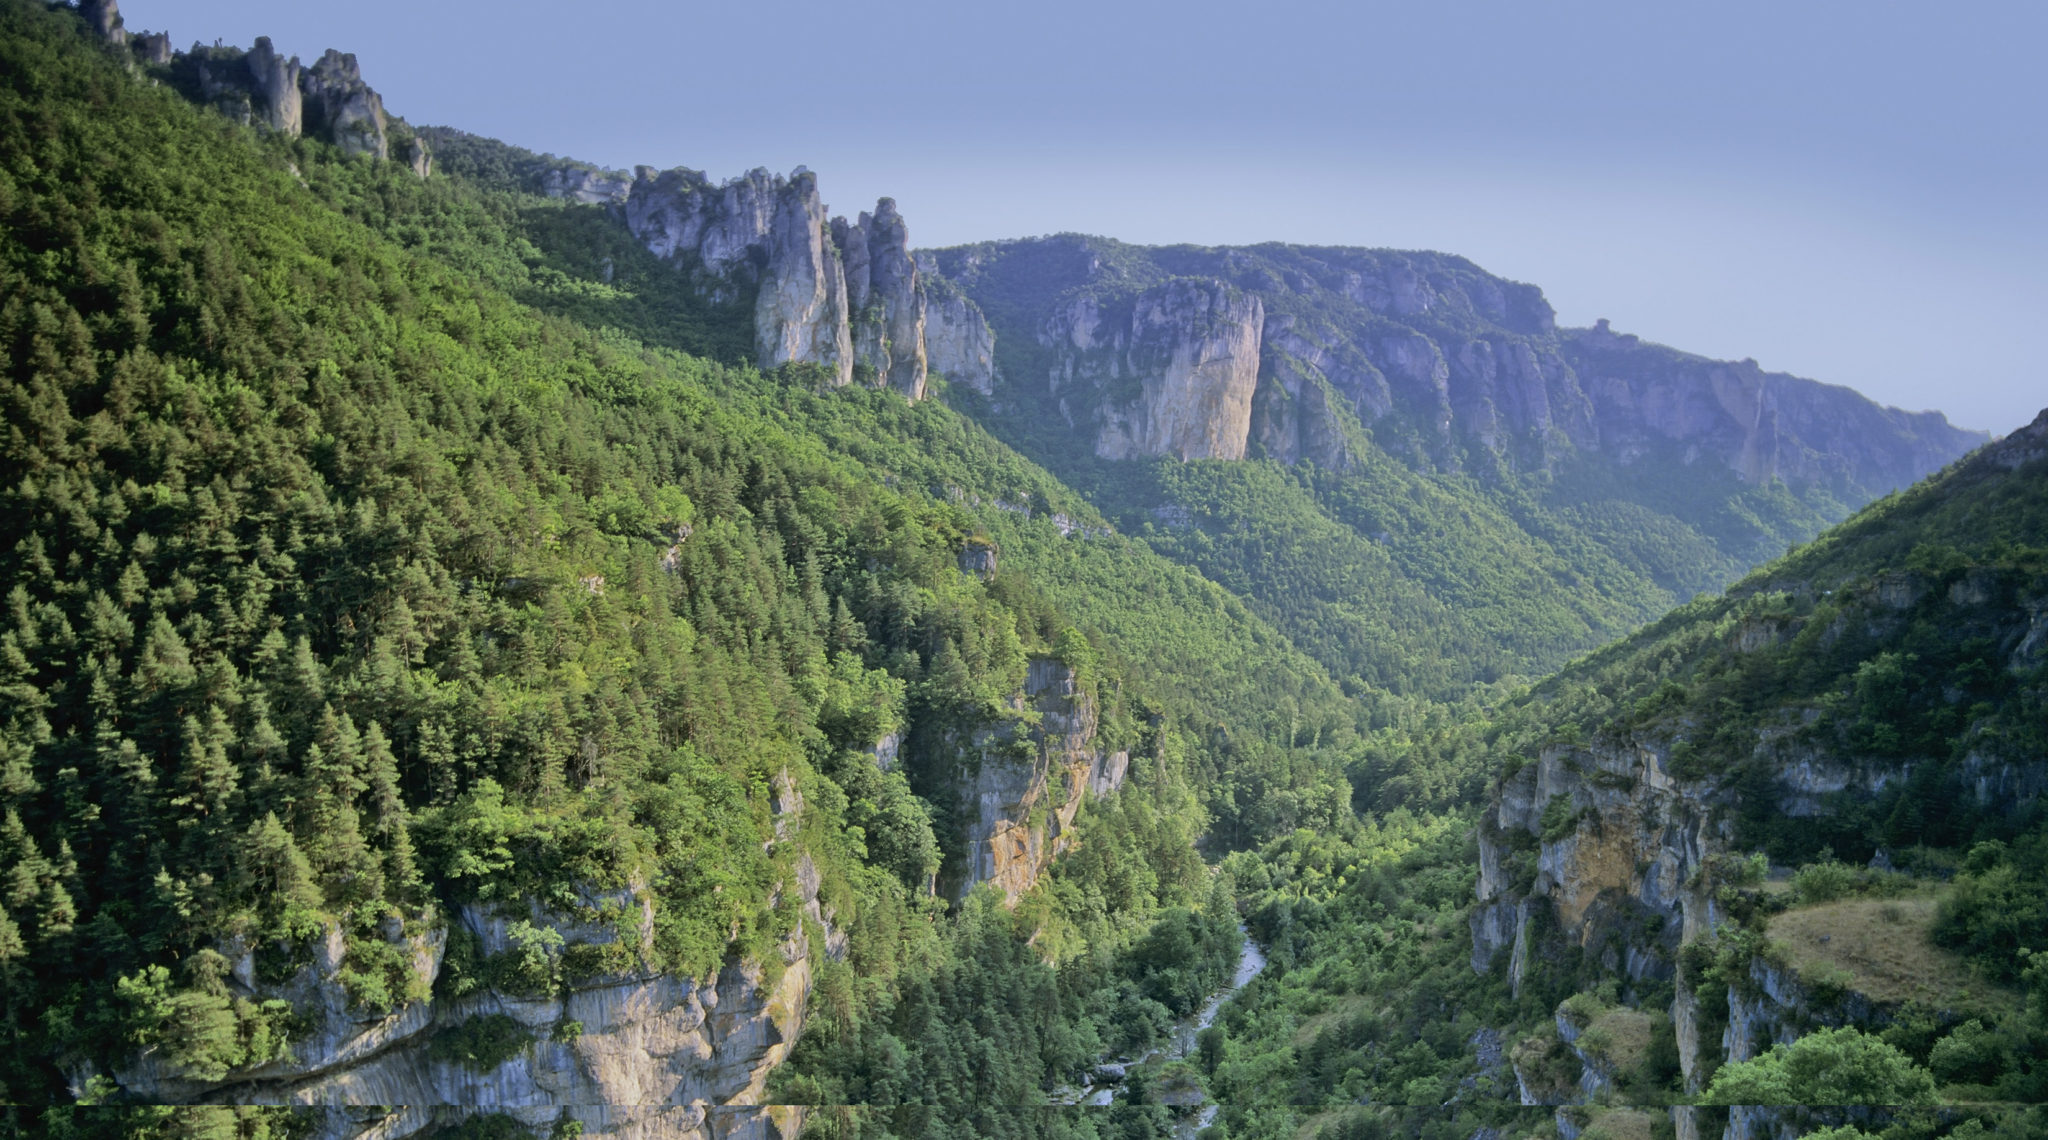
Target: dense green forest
[(366, 565), (377, 547)]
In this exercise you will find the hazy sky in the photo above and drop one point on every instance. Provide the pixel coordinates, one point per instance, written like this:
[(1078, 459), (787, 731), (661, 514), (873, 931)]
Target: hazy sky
[(1855, 192)]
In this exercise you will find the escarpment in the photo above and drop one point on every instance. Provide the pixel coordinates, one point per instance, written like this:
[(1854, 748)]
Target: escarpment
[(1169, 371), (843, 295), (1865, 700), (614, 1045), (1446, 365)]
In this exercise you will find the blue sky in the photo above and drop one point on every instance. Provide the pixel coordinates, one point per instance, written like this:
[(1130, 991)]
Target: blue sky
[(1855, 192)]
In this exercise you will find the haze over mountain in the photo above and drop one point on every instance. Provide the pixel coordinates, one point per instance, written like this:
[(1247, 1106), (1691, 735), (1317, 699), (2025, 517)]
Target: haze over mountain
[(498, 646), (1857, 200)]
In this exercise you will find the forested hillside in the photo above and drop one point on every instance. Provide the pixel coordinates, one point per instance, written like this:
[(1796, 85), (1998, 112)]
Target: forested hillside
[(454, 683), (352, 593)]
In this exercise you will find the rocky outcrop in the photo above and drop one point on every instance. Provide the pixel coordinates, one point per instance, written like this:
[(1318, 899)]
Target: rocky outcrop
[(276, 80), (615, 1052), (800, 314), (1031, 775), (104, 17), (1620, 847), (1764, 425), (154, 48), (809, 278), (327, 101), (958, 343), (343, 109), (884, 295), (1312, 385), (626, 1051), (1169, 371)]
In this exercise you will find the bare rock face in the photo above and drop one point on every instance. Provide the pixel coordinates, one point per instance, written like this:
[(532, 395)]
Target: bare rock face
[(327, 101), (105, 18), (760, 233), (1763, 425), (344, 109), (958, 343), (277, 86), (416, 155), (800, 315), (654, 1054), (153, 48), (1448, 367), (679, 214), (587, 185), (1170, 372), (1022, 800), (883, 296), (1604, 847), (844, 295)]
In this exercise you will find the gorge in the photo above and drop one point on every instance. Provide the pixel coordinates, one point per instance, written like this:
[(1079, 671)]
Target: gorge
[(498, 647)]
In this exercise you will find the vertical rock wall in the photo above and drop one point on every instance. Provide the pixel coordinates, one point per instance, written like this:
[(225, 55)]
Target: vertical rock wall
[(1170, 373), (1021, 800)]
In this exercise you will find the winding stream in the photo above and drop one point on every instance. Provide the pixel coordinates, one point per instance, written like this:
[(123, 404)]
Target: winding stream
[(1180, 1043)]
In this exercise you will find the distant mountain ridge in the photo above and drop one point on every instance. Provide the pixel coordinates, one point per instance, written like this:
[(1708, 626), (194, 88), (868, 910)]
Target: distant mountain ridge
[(1446, 363)]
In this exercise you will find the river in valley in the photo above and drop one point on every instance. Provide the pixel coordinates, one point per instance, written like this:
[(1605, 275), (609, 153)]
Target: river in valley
[(1178, 1044)]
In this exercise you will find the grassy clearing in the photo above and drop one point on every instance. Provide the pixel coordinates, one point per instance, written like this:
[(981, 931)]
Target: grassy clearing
[(1884, 945), (1621, 1124), (1621, 1036), (1337, 1012)]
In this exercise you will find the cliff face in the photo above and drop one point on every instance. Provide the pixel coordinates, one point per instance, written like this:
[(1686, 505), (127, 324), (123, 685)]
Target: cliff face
[(629, 1052), (957, 340), (1765, 425), (1621, 848), (885, 298), (1447, 365), (328, 101), (844, 295), (1022, 797), (1170, 372)]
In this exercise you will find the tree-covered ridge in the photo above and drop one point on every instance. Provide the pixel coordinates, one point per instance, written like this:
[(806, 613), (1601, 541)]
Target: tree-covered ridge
[(350, 586), (1904, 639), (344, 587)]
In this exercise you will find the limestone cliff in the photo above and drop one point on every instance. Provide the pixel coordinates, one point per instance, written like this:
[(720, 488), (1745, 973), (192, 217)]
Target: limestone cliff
[(104, 17), (625, 1051), (958, 342), (844, 295), (1618, 846), (1028, 780), (1169, 371), (1449, 367), (328, 101), (885, 299)]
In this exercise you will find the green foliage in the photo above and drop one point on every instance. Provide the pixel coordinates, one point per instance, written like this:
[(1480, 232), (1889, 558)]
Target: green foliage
[(1829, 1067), (1823, 882), (1560, 818), (1999, 910), (481, 1043)]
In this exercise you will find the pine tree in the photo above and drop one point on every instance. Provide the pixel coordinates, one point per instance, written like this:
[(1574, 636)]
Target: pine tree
[(274, 878), (389, 817)]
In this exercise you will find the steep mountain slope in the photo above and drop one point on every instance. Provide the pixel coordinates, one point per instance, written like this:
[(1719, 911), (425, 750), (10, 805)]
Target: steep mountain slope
[(1771, 866), (445, 669), (412, 698), (1877, 697), (1466, 492), (1475, 476)]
